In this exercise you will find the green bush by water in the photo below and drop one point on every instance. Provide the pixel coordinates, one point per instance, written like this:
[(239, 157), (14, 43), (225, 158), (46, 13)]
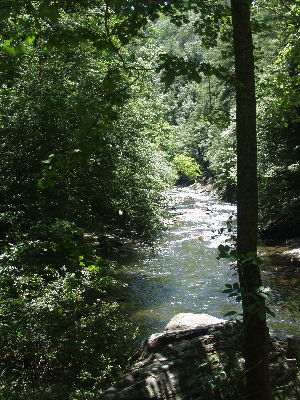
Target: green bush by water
[(63, 337)]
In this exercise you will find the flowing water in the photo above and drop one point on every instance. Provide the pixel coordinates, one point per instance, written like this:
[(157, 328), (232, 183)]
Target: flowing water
[(183, 274)]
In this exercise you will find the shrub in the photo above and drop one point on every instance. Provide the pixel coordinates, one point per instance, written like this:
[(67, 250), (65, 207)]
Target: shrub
[(186, 167), (62, 334)]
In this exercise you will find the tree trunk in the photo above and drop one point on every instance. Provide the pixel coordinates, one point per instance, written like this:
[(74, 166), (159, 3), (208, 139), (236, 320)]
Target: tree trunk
[(255, 328)]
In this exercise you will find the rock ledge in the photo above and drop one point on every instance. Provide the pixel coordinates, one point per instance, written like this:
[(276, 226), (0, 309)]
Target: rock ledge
[(188, 362)]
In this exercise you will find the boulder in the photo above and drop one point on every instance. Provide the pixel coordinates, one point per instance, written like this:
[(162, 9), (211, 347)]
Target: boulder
[(198, 357), (191, 321)]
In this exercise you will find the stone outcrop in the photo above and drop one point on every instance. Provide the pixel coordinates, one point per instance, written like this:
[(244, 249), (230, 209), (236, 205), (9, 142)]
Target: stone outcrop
[(198, 357), (190, 321)]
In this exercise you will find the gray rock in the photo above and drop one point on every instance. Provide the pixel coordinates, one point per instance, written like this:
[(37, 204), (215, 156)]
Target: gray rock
[(191, 321), (190, 364)]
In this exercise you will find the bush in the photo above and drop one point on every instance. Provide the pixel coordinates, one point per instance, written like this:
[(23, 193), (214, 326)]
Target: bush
[(62, 334), (54, 246), (186, 167)]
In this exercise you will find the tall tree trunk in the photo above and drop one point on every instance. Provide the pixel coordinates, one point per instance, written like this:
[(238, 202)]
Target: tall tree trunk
[(255, 328)]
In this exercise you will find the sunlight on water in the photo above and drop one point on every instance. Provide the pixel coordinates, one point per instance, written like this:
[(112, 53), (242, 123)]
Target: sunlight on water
[(183, 274)]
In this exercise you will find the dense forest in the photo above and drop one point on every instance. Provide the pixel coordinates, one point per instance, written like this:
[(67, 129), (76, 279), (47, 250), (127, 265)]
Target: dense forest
[(104, 106)]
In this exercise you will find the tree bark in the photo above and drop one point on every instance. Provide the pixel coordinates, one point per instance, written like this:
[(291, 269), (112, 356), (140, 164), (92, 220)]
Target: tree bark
[(255, 328)]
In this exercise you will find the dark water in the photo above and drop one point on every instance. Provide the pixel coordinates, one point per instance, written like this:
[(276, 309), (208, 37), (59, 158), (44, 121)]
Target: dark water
[(183, 274)]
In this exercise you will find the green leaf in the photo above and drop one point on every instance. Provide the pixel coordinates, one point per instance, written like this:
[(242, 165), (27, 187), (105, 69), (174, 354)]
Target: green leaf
[(7, 48), (10, 51), (230, 313), (268, 311), (233, 254), (29, 40)]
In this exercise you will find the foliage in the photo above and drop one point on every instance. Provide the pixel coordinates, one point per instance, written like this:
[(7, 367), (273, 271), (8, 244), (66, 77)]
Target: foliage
[(186, 167), (201, 113), (222, 160), (53, 246), (89, 138), (278, 111), (254, 299), (225, 372), (77, 149), (62, 334), (91, 159)]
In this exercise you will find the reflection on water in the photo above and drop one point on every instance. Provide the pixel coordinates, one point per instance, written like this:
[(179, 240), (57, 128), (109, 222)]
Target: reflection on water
[(281, 271), (183, 274)]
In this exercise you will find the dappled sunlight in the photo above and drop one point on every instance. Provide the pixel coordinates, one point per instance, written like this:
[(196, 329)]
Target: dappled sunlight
[(183, 273)]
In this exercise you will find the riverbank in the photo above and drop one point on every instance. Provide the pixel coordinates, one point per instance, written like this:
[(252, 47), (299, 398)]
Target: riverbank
[(288, 251)]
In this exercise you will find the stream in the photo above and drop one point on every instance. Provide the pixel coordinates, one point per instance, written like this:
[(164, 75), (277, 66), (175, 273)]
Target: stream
[(182, 273)]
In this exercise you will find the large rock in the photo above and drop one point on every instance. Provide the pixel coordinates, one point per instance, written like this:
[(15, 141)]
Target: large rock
[(190, 363), (191, 321)]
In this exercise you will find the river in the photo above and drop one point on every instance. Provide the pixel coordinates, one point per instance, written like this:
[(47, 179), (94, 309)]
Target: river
[(182, 273)]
